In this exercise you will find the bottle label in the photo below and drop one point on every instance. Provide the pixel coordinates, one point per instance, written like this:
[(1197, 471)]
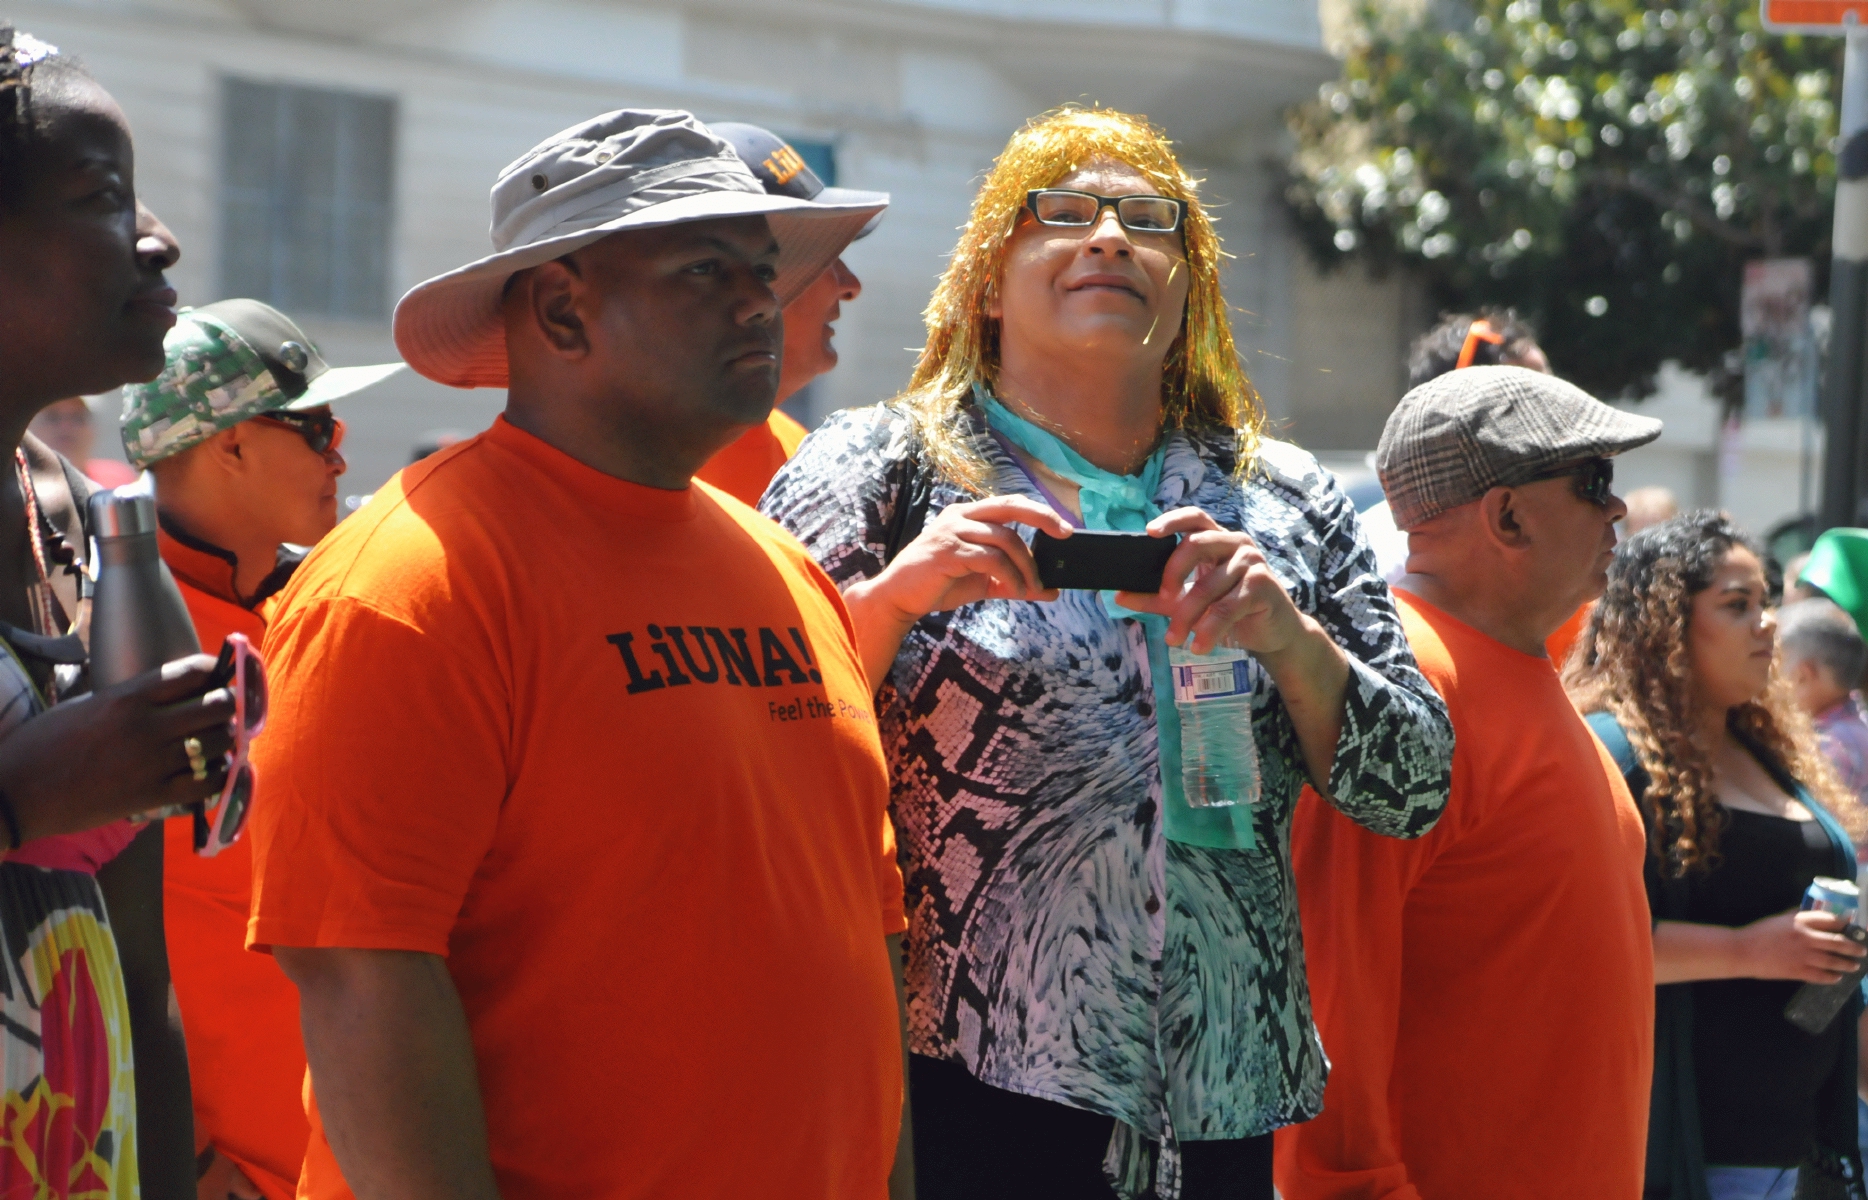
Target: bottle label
[(1216, 676)]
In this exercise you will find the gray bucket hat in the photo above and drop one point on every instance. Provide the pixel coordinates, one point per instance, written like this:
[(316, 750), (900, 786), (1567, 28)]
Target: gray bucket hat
[(1457, 436), (629, 169)]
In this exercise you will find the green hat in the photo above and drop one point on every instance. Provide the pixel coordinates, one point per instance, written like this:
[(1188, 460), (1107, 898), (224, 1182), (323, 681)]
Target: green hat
[(227, 362), (1839, 566)]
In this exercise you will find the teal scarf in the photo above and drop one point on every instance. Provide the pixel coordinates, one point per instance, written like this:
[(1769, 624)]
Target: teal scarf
[(1127, 502)]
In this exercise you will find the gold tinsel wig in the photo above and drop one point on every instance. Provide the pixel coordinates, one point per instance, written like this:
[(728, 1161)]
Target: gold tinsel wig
[(1203, 385)]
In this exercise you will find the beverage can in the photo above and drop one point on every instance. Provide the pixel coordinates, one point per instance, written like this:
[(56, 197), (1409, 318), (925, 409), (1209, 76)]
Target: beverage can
[(1838, 896)]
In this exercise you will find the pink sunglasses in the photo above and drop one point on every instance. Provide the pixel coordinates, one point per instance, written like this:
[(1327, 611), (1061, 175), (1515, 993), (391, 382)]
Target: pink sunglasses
[(240, 668)]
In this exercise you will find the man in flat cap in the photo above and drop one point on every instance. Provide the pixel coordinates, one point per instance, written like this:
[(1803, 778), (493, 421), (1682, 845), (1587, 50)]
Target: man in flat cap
[(1486, 992), (580, 859)]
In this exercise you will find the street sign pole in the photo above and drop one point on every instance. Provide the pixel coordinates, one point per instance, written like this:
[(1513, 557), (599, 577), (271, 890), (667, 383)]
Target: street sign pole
[(1845, 444), (1845, 383)]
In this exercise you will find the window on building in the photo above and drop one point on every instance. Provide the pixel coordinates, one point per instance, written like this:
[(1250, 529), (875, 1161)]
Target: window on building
[(307, 183)]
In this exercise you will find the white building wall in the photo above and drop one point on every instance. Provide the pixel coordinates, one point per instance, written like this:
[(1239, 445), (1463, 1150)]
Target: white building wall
[(1763, 472), (917, 95)]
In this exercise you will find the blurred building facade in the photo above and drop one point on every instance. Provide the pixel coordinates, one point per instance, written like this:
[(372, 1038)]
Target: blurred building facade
[(327, 154)]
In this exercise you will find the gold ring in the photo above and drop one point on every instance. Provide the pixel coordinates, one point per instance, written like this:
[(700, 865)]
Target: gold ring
[(197, 761)]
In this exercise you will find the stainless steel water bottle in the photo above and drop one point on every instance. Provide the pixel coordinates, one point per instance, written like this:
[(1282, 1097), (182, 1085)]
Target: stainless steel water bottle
[(138, 619)]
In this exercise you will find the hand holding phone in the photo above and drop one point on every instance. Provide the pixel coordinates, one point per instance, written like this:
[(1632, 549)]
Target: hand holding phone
[(1220, 590)]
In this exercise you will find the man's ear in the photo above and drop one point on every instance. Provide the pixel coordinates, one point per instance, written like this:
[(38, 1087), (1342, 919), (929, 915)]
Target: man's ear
[(1498, 510), (552, 293), (226, 451)]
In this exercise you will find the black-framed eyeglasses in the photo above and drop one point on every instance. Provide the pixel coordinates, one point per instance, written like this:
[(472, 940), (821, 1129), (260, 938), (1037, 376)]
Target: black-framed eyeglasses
[(322, 430), (1594, 479), (1077, 210)]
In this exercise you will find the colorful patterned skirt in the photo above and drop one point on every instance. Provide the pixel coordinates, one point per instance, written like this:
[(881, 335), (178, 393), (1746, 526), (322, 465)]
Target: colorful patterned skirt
[(68, 1129)]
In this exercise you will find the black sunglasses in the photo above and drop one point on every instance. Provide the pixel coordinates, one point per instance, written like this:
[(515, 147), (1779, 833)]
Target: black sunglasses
[(1594, 477), (1138, 214), (321, 430)]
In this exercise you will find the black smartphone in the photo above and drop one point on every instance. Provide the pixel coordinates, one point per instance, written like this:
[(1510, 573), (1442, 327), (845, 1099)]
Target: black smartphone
[(1100, 560)]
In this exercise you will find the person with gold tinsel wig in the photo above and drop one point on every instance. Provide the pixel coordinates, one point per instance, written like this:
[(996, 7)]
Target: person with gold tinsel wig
[(1105, 983)]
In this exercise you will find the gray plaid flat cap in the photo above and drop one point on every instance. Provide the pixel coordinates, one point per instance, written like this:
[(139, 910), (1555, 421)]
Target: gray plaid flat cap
[(1457, 436)]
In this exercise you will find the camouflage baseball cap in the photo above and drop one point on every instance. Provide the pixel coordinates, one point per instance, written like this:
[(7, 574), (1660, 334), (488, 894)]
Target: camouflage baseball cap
[(228, 362)]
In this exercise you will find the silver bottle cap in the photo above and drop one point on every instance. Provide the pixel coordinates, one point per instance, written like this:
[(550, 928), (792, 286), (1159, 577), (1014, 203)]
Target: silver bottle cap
[(113, 515)]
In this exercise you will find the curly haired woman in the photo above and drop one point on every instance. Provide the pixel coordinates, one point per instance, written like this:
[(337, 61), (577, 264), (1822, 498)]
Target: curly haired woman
[(1099, 971), (1676, 671)]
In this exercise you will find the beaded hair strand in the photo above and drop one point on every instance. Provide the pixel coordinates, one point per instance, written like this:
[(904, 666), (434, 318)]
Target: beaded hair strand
[(22, 57), (20, 52)]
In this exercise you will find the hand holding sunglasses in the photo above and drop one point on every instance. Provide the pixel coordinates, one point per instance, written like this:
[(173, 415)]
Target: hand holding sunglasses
[(240, 669)]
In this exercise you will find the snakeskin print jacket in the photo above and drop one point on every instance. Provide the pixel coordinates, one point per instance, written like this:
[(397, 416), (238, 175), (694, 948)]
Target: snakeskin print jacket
[(1059, 945)]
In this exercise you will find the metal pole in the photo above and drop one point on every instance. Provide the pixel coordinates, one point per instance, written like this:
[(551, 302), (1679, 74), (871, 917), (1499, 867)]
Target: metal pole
[(1845, 438)]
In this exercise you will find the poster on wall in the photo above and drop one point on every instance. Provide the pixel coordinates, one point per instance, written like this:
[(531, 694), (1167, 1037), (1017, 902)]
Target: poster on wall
[(1780, 346)]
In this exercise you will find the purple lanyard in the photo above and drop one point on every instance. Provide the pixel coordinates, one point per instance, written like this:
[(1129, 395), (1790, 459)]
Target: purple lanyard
[(1011, 452)]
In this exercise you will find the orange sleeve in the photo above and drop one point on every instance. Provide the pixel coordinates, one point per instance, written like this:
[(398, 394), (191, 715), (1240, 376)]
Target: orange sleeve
[(1352, 888), (744, 467), (789, 433), (889, 882), (383, 770), (889, 885), (1558, 645)]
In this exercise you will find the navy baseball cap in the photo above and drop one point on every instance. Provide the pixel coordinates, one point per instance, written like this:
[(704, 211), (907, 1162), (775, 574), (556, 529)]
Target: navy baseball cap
[(783, 171)]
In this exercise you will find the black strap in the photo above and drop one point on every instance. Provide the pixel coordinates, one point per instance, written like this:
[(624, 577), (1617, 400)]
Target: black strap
[(63, 651)]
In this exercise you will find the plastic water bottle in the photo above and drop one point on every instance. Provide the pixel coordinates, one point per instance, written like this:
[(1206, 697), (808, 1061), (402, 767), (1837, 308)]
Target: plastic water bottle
[(138, 618), (1218, 756)]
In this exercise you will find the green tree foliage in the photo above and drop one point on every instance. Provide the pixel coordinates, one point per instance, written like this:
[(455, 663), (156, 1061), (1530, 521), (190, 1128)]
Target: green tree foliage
[(1606, 166)]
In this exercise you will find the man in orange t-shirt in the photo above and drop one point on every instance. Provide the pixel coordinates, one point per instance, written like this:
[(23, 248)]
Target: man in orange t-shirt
[(1485, 993), (744, 468), (241, 488), (580, 859)]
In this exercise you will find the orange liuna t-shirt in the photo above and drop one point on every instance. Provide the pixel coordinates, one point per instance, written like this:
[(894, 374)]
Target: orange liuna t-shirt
[(745, 467), (1485, 992), (246, 1057), (610, 750)]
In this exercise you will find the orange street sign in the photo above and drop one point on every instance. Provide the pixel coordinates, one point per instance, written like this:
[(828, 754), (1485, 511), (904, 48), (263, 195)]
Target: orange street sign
[(1815, 16)]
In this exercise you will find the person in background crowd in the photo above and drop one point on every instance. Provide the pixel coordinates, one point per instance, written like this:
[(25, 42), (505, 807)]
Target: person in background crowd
[(69, 427), (434, 442), (1491, 337), (744, 468), (95, 1089), (242, 489), (1837, 568), (1103, 977), (1648, 507), (1823, 658), (1675, 672), (1795, 589), (1487, 338), (1485, 992), (580, 859)]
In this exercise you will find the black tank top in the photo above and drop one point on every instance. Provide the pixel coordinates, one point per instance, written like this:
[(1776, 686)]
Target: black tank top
[(1758, 1074)]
